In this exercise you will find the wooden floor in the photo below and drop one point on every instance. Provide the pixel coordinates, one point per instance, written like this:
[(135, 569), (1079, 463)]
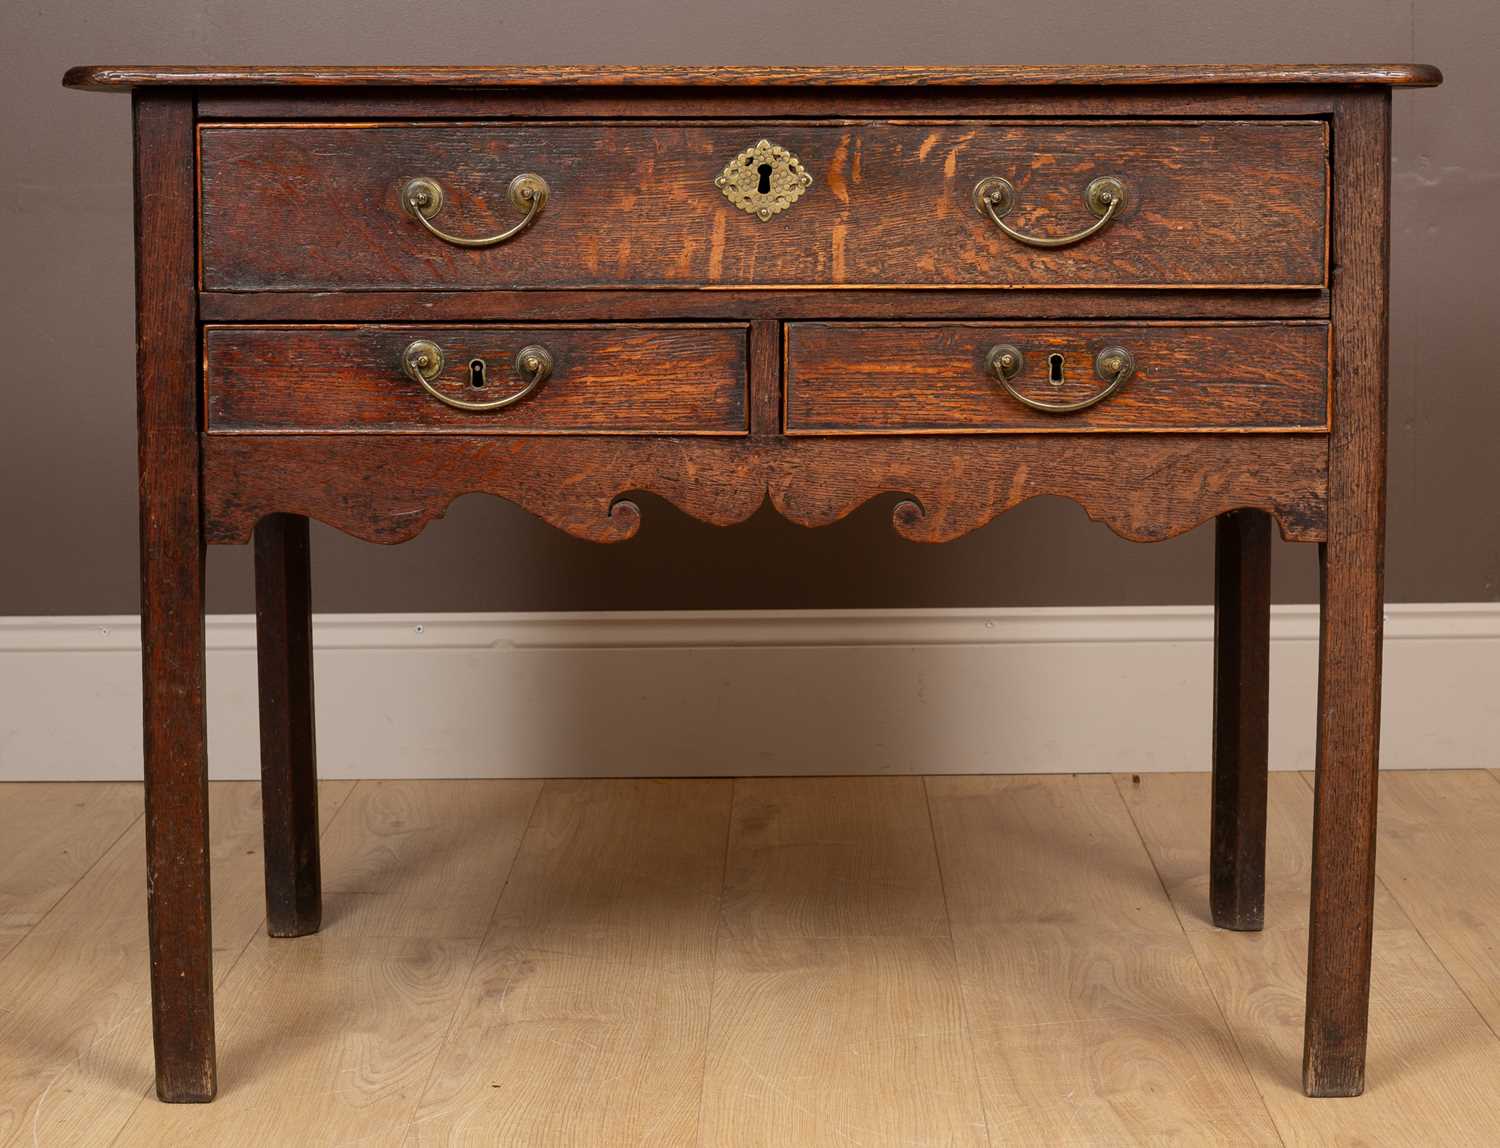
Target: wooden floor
[(788, 962)]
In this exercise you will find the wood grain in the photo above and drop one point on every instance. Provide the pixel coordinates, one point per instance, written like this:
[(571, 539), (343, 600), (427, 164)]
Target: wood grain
[(1352, 592), (75, 1028), (903, 378), (765, 378), (669, 303), (1434, 1065), (836, 1011), (1227, 218), (172, 599), (382, 1007), (262, 104), (423, 861), (586, 1016), (1004, 847), (839, 1040), (550, 76), (53, 833), (387, 488), (1164, 1071), (832, 857), (288, 738), (1167, 809), (1242, 712), (334, 1035), (1438, 860), (682, 379), (1091, 1020), (1430, 1055), (889, 205)]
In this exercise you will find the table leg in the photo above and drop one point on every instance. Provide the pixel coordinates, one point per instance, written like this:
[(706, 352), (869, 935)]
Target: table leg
[(1352, 576), (177, 852), (1341, 931), (1242, 684), (288, 759), (172, 565)]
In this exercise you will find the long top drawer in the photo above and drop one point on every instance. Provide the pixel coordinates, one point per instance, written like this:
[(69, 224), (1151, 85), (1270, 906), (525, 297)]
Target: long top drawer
[(1214, 203)]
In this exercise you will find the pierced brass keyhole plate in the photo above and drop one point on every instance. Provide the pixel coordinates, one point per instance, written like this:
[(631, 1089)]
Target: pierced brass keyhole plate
[(764, 180)]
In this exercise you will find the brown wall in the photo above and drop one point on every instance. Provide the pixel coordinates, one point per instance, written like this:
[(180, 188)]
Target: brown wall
[(67, 499)]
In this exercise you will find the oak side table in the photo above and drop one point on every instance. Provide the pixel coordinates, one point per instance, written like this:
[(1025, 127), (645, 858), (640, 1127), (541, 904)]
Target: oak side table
[(1158, 291)]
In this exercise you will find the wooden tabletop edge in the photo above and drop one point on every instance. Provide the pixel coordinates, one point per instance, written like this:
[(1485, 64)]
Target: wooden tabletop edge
[(93, 77)]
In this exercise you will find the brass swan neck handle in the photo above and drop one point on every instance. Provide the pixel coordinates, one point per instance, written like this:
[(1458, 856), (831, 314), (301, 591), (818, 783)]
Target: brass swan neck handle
[(423, 361), (422, 198), (1113, 365), (994, 196)]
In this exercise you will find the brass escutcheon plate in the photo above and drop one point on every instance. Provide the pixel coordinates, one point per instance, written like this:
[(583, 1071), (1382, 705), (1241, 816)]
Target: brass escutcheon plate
[(764, 180)]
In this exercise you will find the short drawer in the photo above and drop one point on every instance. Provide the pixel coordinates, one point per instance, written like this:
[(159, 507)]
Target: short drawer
[(1214, 203), (596, 379), (905, 378)]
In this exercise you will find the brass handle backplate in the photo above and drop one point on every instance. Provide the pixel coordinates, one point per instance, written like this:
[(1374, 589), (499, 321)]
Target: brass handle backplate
[(422, 198), (994, 196), (423, 362), (1113, 365)]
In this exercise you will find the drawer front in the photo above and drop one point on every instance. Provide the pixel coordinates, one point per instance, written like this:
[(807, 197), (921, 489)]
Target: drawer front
[(600, 379), (848, 378), (1217, 203)]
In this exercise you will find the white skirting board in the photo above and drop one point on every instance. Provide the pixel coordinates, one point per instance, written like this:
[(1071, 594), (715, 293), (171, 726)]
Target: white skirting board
[(736, 693)]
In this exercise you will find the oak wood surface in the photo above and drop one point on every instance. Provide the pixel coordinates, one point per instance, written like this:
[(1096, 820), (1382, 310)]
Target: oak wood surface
[(1439, 862), (75, 1030), (836, 1010), (423, 866), (889, 205), (625, 304), (288, 740), (53, 833), (172, 574), (683, 379), (111, 76), (903, 378), (1426, 1039), (765, 378), (839, 1040), (586, 1017), (1242, 705), (263, 104), (461, 839), (387, 488), (1352, 583), (1168, 811), (1092, 1022), (1234, 205), (831, 857)]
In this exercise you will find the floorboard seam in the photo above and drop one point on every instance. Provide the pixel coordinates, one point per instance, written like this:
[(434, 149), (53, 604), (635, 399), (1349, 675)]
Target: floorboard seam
[(228, 972), (463, 991), (713, 963), (1418, 929), (52, 908), (963, 1008), (1239, 1050)]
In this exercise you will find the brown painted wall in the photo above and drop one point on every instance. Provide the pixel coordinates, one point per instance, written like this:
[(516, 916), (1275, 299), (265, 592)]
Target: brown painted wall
[(67, 449)]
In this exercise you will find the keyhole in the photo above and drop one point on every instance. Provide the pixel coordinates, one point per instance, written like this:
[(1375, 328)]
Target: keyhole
[(476, 373), (765, 178), (1054, 369)]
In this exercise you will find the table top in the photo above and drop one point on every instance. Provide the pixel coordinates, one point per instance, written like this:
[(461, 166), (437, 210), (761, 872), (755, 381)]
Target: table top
[(125, 77)]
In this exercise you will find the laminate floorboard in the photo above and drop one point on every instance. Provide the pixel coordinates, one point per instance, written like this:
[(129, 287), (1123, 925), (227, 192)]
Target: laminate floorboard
[(850, 962)]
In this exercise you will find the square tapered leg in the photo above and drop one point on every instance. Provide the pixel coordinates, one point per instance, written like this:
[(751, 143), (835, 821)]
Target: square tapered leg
[(288, 758)]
